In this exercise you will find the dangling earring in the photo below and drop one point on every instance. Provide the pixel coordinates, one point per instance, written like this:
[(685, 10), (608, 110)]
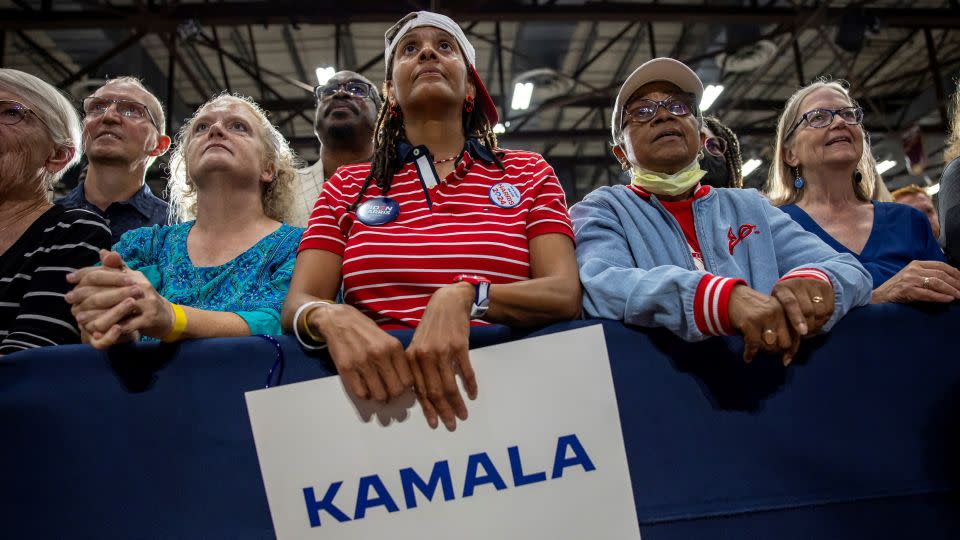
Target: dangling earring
[(857, 177), (798, 181), (468, 104), (394, 110)]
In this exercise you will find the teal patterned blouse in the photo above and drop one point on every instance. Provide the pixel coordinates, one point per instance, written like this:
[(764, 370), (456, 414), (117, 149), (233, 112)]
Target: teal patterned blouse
[(253, 285)]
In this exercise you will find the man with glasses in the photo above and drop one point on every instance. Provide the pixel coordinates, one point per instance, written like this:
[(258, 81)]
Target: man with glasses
[(345, 118), (123, 133)]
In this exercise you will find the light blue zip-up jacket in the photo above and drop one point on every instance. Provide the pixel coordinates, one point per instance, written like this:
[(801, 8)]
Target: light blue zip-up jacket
[(636, 266)]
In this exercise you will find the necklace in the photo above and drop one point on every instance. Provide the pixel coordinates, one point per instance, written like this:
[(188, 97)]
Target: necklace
[(451, 158)]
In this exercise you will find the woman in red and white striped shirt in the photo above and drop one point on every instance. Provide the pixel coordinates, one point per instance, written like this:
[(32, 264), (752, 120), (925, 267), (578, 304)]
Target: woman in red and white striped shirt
[(441, 231)]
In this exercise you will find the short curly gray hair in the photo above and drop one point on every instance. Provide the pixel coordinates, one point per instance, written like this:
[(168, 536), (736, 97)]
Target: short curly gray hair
[(277, 197)]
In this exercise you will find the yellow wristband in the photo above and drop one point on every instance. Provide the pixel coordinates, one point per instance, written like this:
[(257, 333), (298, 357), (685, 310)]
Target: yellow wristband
[(179, 324), (305, 317)]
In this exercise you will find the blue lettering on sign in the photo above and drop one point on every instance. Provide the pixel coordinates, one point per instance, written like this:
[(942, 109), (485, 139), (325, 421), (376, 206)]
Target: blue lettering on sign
[(409, 479), (364, 501), (314, 506), (372, 492), (471, 482), (580, 457), (516, 467)]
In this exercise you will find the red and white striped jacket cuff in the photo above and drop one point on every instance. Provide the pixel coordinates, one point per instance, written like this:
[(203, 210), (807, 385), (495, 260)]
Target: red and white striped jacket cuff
[(807, 273), (711, 310)]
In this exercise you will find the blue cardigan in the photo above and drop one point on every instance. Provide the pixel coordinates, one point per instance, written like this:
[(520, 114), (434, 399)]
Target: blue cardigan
[(636, 267), (900, 234)]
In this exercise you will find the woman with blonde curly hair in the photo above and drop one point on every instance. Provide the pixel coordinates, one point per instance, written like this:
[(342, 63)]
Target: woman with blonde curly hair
[(824, 176), (223, 271)]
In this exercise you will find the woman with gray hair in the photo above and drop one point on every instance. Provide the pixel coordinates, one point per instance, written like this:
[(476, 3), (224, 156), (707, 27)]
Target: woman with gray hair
[(39, 242), (824, 176), (224, 271)]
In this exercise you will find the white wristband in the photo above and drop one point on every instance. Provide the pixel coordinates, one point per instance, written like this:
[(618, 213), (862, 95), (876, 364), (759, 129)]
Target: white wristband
[(296, 327)]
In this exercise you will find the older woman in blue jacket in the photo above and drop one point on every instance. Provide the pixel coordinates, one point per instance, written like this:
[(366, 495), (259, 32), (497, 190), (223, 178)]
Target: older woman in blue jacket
[(666, 251)]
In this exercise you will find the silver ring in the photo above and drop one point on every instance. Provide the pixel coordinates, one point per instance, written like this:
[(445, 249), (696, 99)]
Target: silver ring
[(817, 299)]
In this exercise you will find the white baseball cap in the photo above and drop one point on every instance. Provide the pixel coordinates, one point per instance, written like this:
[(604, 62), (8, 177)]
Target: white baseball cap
[(658, 69), (417, 19)]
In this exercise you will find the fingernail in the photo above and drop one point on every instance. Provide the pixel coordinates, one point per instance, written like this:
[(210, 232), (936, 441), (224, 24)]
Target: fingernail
[(136, 292), (803, 329), (68, 297), (451, 426), (71, 277), (786, 360), (127, 281)]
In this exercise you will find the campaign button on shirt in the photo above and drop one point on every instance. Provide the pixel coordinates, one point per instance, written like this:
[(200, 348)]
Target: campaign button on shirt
[(505, 195), (378, 211)]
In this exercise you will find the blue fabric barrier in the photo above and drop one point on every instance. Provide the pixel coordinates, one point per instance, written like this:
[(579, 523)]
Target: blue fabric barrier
[(857, 439)]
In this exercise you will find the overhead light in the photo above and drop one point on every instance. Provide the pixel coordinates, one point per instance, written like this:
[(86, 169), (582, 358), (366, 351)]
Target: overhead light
[(710, 94), (885, 166), (522, 93), (932, 190), (750, 166), (324, 74), (499, 129)]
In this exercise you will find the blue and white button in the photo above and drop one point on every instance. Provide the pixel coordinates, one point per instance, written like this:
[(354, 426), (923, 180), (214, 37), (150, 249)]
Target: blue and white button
[(378, 211), (505, 195)]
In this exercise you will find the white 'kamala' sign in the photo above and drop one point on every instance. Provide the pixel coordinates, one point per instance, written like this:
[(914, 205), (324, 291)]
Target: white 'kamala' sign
[(541, 456)]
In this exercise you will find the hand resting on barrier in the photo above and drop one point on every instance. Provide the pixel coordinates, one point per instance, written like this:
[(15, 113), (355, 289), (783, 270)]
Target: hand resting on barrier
[(114, 304)]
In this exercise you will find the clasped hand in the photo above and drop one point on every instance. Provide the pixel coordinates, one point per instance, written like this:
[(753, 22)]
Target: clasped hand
[(796, 308), (374, 365), (113, 303)]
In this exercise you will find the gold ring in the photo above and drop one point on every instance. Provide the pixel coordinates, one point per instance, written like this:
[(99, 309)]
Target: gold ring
[(926, 283), (817, 299), (772, 334)]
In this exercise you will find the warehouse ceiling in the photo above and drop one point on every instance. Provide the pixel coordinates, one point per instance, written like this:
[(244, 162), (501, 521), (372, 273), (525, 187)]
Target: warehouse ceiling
[(902, 60)]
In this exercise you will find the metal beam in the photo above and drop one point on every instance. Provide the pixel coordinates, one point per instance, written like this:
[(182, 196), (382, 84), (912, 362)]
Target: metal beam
[(171, 68), (937, 78), (103, 58), (35, 47), (295, 55), (223, 65), (191, 76), (258, 77), (165, 18)]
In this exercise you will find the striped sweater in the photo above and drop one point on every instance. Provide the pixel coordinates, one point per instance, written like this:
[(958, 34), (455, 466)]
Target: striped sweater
[(33, 281)]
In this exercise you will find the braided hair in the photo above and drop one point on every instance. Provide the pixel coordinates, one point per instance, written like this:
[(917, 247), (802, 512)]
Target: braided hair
[(732, 154), (389, 130)]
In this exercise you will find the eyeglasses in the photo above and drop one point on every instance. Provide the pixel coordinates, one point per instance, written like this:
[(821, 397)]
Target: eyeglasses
[(12, 112), (645, 109), (98, 106), (357, 89), (715, 146), (821, 118)]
